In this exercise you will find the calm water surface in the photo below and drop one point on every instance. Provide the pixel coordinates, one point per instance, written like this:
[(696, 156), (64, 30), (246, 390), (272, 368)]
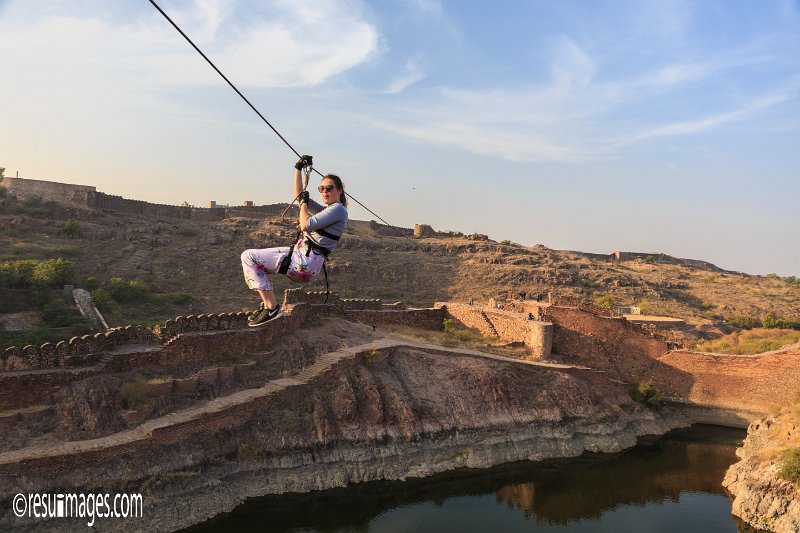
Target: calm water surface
[(671, 484)]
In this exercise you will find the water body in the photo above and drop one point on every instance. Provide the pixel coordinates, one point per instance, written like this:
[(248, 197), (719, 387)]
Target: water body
[(669, 484)]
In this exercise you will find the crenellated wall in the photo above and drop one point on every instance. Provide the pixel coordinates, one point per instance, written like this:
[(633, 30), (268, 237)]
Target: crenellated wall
[(577, 336), (68, 353)]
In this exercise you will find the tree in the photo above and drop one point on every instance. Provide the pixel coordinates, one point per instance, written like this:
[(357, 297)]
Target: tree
[(2, 173), (72, 228)]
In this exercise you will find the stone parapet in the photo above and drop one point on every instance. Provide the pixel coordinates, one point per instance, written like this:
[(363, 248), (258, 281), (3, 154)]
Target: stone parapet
[(296, 296), (50, 355), (507, 325), (431, 319)]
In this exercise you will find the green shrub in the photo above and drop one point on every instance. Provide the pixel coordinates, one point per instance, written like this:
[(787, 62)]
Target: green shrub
[(506, 242), (789, 466), (769, 321), (34, 207), (647, 394), (36, 274), (58, 313), (125, 291), (449, 326), (53, 273), (101, 298), (91, 283), (793, 281), (371, 355), (180, 298), (605, 301), (72, 228), (744, 322), (456, 333)]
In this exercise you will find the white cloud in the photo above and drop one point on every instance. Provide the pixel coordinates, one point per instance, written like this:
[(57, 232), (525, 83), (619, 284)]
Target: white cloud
[(411, 74), (571, 64), (283, 44), (564, 122), (710, 122)]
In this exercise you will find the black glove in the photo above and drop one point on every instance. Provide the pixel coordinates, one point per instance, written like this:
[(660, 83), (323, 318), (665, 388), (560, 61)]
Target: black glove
[(305, 161), (303, 198)]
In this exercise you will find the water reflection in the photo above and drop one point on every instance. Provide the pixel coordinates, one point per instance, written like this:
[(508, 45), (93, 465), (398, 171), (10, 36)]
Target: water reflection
[(662, 484)]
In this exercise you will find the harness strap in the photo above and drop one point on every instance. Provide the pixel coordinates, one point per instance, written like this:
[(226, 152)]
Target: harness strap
[(328, 234), (327, 289), (287, 261), (312, 245)]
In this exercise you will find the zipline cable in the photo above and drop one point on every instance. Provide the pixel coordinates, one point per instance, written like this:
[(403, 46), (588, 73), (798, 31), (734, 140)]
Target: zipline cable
[(243, 97)]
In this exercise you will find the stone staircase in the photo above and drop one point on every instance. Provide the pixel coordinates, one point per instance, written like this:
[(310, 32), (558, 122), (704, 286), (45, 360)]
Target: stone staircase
[(489, 323)]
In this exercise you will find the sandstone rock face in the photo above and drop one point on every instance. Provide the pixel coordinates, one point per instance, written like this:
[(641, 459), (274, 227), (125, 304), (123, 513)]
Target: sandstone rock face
[(761, 498), (389, 415)]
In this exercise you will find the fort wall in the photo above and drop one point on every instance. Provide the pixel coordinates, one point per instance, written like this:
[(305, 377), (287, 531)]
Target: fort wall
[(50, 191), (431, 319), (507, 325), (610, 344), (758, 383), (87, 197)]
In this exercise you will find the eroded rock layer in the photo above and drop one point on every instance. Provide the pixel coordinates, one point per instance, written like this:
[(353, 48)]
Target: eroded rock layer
[(392, 414), (761, 497)]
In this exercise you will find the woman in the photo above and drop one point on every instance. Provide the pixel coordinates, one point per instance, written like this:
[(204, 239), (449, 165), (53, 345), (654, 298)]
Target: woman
[(321, 228)]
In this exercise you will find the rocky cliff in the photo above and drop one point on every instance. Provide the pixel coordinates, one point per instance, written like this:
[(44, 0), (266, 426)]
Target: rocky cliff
[(761, 498), (385, 414)]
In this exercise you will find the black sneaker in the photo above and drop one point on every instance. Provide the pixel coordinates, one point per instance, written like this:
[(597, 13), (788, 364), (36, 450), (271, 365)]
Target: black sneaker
[(254, 314), (264, 316)]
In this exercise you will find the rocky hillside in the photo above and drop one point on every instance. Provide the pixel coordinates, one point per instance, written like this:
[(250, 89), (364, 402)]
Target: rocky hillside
[(761, 497), (201, 257)]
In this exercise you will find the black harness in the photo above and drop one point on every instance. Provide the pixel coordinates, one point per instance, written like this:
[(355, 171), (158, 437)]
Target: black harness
[(312, 245)]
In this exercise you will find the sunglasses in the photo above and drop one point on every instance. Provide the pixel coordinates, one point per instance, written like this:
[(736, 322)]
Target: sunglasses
[(326, 188)]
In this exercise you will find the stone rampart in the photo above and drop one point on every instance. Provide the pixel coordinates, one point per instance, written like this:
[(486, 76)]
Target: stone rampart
[(296, 296), (390, 231), (22, 389), (260, 211), (110, 202), (507, 325), (431, 319), (362, 304), (614, 346), (68, 353), (49, 191), (758, 383), (87, 197), (605, 343)]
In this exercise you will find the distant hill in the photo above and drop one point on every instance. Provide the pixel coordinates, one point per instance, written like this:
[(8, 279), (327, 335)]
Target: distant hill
[(189, 250)]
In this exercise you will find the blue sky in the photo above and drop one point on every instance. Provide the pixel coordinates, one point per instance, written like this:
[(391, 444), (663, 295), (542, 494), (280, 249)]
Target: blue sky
[(656, 126)]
